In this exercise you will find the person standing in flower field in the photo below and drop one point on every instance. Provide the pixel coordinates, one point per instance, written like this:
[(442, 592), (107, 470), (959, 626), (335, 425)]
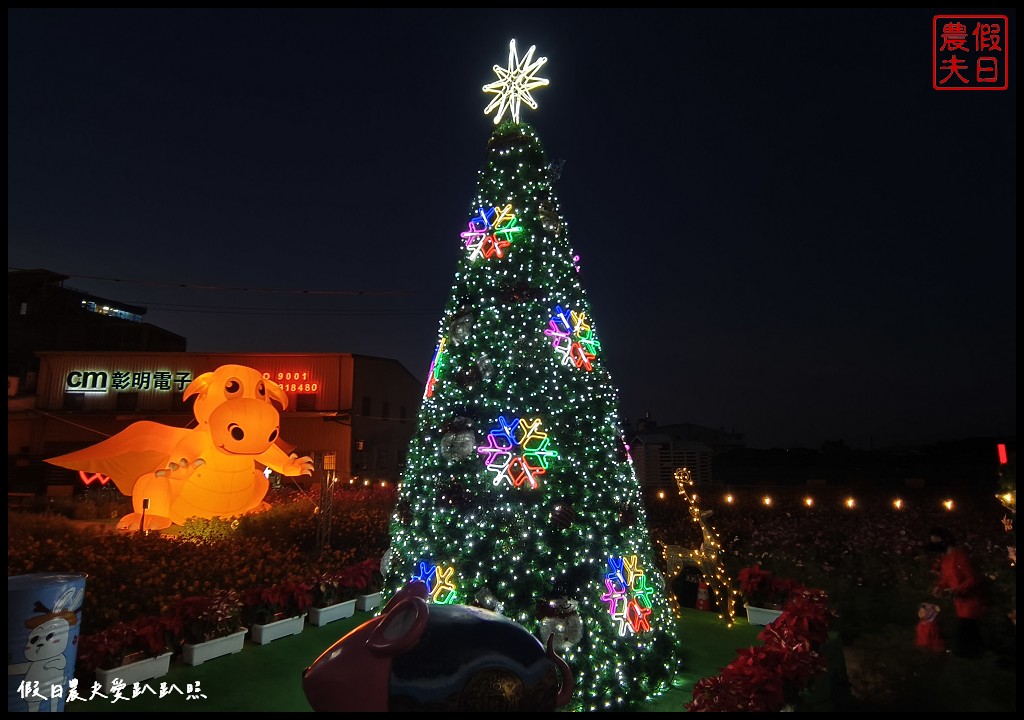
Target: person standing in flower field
[(957, 577)]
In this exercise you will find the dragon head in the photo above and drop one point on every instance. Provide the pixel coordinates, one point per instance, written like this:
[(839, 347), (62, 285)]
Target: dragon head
[(235, 404)]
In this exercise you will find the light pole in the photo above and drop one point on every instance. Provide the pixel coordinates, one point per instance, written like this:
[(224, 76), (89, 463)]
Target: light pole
[(327, 487), (142, 522)]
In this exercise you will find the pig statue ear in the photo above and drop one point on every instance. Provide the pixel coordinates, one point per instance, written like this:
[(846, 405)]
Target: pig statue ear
[(414, 588), (400, 628)]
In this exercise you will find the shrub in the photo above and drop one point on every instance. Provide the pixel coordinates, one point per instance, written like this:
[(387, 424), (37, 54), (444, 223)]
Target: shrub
[(203, 530), (131, 574)]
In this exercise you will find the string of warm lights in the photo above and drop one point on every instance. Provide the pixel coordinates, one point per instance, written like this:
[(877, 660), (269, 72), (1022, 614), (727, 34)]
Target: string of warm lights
[(849, 502)]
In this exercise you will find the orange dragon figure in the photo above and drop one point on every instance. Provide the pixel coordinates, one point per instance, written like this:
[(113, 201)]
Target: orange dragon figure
[(206, 471)]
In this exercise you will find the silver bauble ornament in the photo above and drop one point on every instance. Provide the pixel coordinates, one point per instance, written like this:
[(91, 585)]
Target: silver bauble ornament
[(486, 366), (461, 327), (458, 444)]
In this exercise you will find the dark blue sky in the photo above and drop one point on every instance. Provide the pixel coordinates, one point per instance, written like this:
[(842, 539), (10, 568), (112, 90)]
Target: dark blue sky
[(783, 228)]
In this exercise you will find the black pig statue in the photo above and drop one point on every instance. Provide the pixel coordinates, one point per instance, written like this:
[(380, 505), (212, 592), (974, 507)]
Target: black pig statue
[(419, 656)]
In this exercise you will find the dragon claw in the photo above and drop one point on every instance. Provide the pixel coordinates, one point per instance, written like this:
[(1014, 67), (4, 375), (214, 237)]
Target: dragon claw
[(180, 470), (299, 465)]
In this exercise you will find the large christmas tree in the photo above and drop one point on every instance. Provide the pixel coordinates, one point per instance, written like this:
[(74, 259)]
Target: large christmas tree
[(519, 494)]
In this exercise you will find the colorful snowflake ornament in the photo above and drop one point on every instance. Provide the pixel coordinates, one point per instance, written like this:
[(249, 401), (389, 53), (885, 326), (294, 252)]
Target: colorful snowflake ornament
[(572, 338), (517, 452)]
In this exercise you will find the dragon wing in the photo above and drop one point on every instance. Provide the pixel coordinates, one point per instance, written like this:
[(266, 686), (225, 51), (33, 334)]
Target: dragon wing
[(142, 447)]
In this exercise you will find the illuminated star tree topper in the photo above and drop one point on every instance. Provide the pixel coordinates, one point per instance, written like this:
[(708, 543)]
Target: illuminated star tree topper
[(514, 84)]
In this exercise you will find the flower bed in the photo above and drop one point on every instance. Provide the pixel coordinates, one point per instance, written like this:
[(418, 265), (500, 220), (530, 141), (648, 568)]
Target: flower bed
[(132, 574), (770, 677), (868, 561)]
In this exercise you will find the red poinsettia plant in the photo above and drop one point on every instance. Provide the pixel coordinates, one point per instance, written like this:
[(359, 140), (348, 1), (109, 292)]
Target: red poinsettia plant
[(364, 577), (275, 602), (769, 677), (805, 620), (129, 641), (328, 588), (205, 617), (762, 589)]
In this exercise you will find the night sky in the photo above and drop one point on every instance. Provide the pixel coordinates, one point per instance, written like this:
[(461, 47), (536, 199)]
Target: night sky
[(784, 230)]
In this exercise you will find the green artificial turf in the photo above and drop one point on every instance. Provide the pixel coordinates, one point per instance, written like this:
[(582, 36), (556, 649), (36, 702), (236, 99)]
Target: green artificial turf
[(268, 678)]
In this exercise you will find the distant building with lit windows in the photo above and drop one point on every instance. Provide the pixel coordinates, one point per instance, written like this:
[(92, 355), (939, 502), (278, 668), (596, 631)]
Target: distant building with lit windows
[(42, 314), (658, 451)]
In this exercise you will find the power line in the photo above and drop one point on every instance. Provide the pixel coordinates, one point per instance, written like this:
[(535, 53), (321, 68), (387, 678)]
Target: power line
[(227, 288), (232, 310)]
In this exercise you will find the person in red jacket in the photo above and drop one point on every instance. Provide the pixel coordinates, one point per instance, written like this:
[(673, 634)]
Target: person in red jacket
[(958, 577)]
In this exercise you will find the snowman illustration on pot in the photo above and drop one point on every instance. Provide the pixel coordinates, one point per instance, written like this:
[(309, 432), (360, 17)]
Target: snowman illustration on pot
[(45, 647)]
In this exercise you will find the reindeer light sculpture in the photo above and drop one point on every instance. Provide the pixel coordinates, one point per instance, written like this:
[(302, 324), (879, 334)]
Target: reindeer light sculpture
[(706, 558)]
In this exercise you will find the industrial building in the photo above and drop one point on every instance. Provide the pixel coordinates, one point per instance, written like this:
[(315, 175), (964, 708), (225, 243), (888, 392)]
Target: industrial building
[(353, 414)]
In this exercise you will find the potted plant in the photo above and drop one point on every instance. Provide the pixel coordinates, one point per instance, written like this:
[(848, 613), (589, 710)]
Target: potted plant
[(367, 582), (132, 651), (764, 595), (211, 625), (276, 611), (332, 598)]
